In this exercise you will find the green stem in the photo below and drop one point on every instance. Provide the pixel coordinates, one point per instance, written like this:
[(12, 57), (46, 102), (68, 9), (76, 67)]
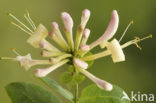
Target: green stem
[(76, 98), (76, 93)]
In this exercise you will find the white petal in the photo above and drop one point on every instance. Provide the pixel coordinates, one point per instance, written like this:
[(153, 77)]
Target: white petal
[(40, 33), (116, 50)]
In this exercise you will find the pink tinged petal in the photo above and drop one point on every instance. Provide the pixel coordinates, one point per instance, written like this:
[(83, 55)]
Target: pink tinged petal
[(54, 26), (116, 51), (52, 34), (84, 47), (79, 63), (84, 18), (68, 25), (103, 84), (110, 31), (100, 83), (46, 71), (86, 33), (39, 34), (57, 37), (42, 45), (25, 61), (67, 20)]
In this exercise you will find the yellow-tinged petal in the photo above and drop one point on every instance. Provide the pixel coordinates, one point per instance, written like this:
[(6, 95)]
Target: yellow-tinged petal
[(39, 34), (116, 51)]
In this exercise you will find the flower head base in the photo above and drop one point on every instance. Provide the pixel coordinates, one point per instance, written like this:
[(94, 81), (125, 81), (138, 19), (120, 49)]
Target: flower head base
[(71, 51)]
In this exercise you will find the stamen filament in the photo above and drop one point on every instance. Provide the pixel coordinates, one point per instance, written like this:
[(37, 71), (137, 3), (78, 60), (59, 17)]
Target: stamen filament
[(14, 50), (135, 41), (20, 28), (150, 36), (125, 31), (33, 24), (20, 22), (28, 21)]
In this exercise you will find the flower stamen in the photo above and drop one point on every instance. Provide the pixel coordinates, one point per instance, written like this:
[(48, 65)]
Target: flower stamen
[(135, 41), (31, 21), (125, 30), (20, 27), (11, 15)]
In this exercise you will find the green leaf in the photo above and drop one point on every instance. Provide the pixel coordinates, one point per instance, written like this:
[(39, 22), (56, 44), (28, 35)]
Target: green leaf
[(93, 94), (90, 63), (29, 93), (54, 85), (71, 68), (66, 77), (77, 78)]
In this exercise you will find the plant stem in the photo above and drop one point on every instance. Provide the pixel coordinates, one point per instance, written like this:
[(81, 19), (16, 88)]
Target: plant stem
[(76, 98), (76, 93)]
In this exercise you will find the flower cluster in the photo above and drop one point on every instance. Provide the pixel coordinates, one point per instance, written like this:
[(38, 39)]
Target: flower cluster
[(73, 51)]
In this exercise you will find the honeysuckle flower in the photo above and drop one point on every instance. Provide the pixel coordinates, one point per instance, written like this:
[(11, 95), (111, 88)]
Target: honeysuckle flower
[(110, 31), (71, 52), (26, 61), (81, 66), (45, 71)]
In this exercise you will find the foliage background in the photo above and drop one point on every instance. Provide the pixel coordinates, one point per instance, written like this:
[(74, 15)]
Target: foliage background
[(137, 73)]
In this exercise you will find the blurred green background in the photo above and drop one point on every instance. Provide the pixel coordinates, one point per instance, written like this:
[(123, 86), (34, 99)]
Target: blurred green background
[(137, 73)]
